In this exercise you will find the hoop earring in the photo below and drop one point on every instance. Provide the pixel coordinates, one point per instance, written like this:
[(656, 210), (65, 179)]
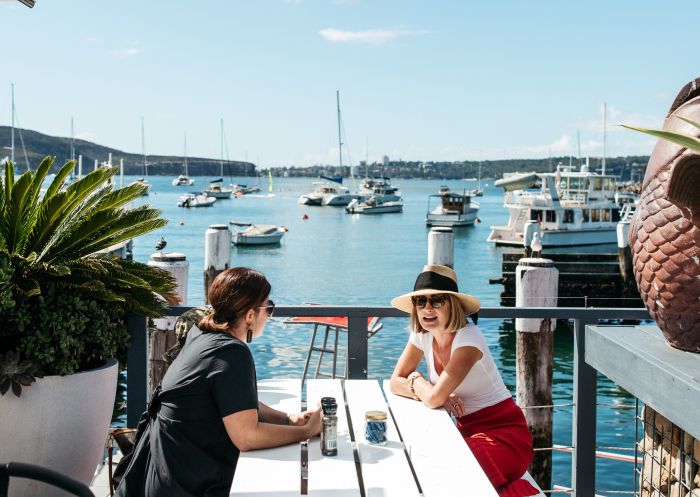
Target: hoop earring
[(249, 336)]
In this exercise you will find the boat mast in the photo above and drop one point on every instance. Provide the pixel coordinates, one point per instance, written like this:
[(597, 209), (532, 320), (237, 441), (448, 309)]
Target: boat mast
[(340, 143), (143, 149), (12, 143), (222, 148), (186, 173), (72, 140), (605, 116)]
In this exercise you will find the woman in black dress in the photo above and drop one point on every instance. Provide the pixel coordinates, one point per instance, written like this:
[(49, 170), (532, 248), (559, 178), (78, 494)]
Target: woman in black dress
[(209, 409)]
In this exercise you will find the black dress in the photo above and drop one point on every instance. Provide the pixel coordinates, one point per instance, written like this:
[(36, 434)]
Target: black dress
[(191, 452)]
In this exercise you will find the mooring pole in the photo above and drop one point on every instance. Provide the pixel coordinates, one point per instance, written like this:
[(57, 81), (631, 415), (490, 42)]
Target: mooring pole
[(163, 337), (536, 285), (441, 247), (217, 254)]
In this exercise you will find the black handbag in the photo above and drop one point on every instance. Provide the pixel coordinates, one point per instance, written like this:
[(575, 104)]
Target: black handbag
[(133, 466)]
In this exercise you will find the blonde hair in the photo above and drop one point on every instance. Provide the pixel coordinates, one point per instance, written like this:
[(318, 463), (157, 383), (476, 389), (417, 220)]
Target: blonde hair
[(457, 317)]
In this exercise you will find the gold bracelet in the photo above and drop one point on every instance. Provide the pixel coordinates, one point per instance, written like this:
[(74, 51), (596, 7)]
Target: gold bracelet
[(411, 380)]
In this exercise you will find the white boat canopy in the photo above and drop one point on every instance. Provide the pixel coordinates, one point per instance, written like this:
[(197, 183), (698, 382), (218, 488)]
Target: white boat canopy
[(517, 182)]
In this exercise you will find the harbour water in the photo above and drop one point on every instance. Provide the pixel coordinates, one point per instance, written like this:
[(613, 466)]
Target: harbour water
[(335, 258)]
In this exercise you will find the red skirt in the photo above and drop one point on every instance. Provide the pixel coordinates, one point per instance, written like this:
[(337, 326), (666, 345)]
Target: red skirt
[(501, 442)]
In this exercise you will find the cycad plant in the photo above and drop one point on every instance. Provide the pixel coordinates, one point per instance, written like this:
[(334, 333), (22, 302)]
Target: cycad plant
[(682, 139), (62, 295)]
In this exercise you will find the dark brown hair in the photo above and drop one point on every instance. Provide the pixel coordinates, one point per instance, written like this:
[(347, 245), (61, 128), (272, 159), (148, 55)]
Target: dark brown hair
[(231, 295)]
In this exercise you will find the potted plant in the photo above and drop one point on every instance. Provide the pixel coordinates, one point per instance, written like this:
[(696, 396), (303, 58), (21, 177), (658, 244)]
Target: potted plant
[(63, 299)]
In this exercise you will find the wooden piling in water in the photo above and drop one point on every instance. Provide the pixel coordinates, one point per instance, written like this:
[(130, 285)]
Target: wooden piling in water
[(217, 254), (441, 247), (537, 283), (163, 337)]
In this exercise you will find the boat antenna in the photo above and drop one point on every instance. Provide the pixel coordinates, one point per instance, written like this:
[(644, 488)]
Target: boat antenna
[(550, 158), (340, 143), (605, 116), (366, 157), (578, 139), (186, 172)]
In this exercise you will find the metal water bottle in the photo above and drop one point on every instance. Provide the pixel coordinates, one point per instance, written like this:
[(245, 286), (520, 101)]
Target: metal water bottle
[(329, 433)]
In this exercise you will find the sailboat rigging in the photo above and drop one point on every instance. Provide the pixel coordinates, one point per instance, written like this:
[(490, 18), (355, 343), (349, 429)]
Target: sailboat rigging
[(184, 179), (216, 187), (143, 180)]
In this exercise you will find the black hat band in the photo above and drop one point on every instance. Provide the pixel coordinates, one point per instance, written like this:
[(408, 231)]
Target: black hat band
[(435, 281)]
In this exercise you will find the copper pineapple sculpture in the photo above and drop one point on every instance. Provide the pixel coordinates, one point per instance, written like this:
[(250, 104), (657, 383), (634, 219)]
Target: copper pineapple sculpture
[(665, 232)]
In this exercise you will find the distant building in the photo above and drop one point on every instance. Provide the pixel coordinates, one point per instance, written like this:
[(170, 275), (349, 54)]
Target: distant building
[(385, 160)]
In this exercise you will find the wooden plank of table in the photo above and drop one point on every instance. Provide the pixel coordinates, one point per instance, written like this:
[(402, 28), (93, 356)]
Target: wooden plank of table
[(272, 472), (385, 468), (331, 475), (441, 458)]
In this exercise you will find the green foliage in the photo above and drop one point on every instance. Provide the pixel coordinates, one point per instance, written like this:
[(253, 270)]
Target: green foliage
[(63, 297), (682, 139)]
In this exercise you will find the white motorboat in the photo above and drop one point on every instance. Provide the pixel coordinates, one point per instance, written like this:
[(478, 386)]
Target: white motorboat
[(327, 193), (258, 234), (216, 189), (374, 205), (447, 208), (568, 208), (184, 179), (380, 188), (195, 199)]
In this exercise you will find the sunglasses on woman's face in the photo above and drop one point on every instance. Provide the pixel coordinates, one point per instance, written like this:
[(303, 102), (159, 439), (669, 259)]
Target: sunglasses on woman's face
[(436, 301), (269, 308)]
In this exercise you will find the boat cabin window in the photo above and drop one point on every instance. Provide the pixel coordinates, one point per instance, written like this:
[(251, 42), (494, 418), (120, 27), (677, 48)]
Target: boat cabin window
[(551, 216), (535, 215), (584, 216), (615, 215), (568, 216), (606, 214), (595, 215), (597, 183), (574, 183), (609, 184)]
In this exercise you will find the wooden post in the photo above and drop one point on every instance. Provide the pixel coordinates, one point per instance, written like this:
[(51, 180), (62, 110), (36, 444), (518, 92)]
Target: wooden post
[(624, 253), (163, 337), (441, 247), (217, 254), (536, 286)]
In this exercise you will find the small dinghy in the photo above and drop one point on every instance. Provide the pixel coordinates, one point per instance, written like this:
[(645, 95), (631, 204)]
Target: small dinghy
[(257, 234)]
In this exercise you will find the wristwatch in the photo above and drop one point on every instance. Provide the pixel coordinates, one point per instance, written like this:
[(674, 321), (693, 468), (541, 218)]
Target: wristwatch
[(411, 379)]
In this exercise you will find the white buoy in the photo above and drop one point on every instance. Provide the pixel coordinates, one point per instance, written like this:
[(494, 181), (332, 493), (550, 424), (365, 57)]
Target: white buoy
[(217, 254), (441, 246), (163, 338), (536, 285)]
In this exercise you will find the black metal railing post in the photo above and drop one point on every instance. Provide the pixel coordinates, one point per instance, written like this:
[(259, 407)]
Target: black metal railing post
[(357, 345), (137, 373), (584, 418)]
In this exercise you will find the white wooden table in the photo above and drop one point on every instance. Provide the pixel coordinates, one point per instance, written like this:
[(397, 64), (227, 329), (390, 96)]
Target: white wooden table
[(424, 453)]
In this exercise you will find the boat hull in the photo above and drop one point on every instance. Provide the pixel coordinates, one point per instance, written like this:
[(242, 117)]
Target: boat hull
[(310, 200), (384, 209), (242, 239), (450, 219), (557, 238)]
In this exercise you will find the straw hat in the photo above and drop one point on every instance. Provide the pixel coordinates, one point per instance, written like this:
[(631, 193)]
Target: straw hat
[(436, 279)]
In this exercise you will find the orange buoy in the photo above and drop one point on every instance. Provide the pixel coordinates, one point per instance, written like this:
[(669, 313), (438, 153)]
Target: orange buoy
[(305, 217)]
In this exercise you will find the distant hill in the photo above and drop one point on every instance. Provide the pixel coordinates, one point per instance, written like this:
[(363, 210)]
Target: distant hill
[(39, 145)]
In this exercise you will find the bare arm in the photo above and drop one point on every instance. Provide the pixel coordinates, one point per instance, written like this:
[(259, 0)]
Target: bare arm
[(267, 414), (247, 431), (407, 363)]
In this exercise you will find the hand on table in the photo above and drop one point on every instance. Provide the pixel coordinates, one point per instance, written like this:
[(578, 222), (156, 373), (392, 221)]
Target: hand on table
[(454, 406)]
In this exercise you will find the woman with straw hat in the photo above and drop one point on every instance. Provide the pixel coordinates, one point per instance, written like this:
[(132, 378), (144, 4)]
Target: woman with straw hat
[(462, 378)]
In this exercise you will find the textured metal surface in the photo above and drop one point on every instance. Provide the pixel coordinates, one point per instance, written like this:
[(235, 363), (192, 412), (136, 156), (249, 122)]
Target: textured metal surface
[(665, 231)]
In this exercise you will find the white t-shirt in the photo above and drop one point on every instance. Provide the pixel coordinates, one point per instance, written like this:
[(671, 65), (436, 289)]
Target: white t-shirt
[(483, 385)]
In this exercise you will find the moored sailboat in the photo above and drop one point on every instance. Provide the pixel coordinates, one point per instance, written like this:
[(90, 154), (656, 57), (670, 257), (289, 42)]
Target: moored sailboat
[(184, 179)]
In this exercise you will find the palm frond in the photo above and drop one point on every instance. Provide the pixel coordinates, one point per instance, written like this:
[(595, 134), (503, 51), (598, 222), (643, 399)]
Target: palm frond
[(687, 141), (60, 178), (689, 121)]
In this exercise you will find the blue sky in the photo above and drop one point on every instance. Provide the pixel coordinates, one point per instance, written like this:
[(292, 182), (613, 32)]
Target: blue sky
[(418, 80)]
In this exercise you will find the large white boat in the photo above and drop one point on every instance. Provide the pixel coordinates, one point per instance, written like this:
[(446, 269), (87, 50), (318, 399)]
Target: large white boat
[(447, 208), (567, 208), (327, 193), (374, 205), (379, 188)]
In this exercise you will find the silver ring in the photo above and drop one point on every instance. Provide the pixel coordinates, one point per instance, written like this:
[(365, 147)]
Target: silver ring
[(455, 405)]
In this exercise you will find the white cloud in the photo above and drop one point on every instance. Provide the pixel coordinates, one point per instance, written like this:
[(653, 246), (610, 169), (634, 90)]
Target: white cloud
[(369, 36), (125, 53), (615, 118)]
